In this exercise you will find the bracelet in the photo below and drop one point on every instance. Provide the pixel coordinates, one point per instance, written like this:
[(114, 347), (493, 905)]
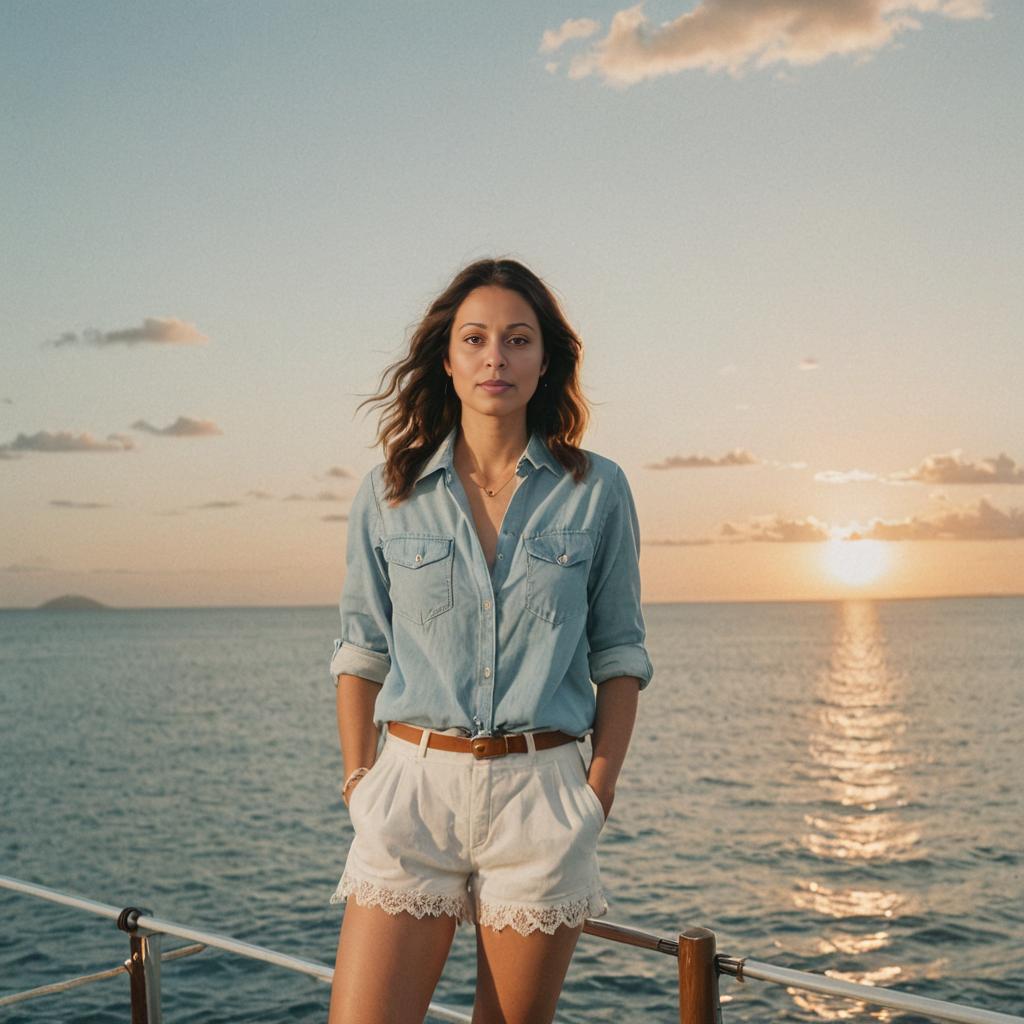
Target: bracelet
[(357, 774)]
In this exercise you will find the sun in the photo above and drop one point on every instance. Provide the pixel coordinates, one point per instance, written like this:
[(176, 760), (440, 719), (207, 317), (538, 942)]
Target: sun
[(856, 562)]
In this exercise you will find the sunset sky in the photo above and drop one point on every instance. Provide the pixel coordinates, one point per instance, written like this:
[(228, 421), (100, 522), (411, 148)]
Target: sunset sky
[(790, 242)]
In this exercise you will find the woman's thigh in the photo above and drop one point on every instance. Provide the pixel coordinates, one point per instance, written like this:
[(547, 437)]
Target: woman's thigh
[(388, 965), (519, 977)]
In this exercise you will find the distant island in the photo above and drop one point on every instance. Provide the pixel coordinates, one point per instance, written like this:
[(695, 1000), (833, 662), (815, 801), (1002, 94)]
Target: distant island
[(71, 603)]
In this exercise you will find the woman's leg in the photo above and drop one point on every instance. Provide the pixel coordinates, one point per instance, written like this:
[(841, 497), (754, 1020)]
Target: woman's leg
[(388, 965), (519, 977)]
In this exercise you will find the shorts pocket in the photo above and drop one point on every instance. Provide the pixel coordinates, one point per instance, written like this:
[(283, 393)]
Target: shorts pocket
[(595, 801), (371, 778), (420, 570), (592, 799), (557, 569)]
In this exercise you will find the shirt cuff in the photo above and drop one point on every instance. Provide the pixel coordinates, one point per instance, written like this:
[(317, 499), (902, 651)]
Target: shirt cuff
[(358, 661), (624, 660)]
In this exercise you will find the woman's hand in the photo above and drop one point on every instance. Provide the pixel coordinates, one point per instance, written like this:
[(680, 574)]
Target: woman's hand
[(347, 791), (606, 794)]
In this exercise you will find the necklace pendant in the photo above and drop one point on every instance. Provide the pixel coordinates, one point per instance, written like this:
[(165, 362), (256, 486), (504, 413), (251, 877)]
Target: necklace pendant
[(489, 493)]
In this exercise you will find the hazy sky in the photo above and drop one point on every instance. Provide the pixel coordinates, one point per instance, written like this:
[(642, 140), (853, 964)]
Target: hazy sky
[(791, 242)]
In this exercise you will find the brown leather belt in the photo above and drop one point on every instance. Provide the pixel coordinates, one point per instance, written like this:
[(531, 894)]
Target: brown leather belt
[(481, 746)]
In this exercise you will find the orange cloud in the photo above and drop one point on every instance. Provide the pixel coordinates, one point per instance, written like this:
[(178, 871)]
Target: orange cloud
[(64, 441), (731, 35), (154, 330), (183, 426)]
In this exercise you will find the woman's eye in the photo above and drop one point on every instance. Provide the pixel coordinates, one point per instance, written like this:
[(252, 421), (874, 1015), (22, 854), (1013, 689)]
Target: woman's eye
[(517, 337)]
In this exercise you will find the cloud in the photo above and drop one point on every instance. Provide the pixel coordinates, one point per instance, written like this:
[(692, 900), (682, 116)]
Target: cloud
[(952, 469), (154, 330), (572, 28), (36, 564), (339, 472), (183, 426), (322, 496), (336, 517), (64, 441), (217, 504), (258, 494), (808, 363), (733, 35), (845, 476), (737, 457), (65, 503), (978, 521)]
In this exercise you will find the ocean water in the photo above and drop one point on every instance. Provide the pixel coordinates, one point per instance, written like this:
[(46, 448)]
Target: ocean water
[(834, 787)]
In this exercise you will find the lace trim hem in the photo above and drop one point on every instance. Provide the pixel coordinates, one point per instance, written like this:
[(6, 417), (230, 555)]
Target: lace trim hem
[(525, 918), (394, 901)]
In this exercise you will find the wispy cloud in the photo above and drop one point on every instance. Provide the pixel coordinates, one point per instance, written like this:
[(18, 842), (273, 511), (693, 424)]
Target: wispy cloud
[(64, 441), (736, 457), (154, 330), (36, 564), (183, 426), (66, 503), (733, 35), (322, 496), (340, 472), (952, 469), (949, 468), (980, 520), (572, 28)]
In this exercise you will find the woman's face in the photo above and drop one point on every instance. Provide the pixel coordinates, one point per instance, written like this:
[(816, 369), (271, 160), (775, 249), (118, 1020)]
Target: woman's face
[(495, 335)]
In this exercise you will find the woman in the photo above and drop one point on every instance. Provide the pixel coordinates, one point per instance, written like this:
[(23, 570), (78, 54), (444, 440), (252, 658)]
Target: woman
[(492, 578)]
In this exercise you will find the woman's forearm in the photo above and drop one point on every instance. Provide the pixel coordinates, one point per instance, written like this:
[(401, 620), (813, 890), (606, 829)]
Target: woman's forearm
[(613, 728), (356, 731)]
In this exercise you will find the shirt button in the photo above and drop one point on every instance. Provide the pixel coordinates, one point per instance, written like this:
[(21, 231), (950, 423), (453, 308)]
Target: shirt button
[(561, 559), (487, 604), (419, 557), (487, 672), (501, 556)]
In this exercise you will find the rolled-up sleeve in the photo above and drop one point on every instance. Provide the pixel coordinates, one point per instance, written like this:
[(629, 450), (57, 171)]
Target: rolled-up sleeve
[(363, 649), (615, 623)]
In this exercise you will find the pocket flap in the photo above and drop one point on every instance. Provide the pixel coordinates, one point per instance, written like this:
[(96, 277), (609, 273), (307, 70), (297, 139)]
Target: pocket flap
[(561, 548), (415, 550)]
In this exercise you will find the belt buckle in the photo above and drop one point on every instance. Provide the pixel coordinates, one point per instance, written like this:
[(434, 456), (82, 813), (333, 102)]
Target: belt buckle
[(486, 746)]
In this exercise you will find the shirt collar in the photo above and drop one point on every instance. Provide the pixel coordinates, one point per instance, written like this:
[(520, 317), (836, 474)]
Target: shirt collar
[(536, 453)]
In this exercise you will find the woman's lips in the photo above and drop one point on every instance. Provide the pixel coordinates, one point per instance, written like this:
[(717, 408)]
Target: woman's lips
[(496, 388)]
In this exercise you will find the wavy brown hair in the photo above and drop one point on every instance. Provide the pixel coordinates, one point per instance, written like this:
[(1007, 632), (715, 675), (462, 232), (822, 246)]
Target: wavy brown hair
[(423, 410)]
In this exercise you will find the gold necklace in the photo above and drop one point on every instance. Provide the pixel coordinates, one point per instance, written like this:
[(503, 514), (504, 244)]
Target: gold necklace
[(490, 493)]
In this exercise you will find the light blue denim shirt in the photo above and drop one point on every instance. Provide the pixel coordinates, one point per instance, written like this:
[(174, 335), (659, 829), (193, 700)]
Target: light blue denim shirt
[(456, 645)]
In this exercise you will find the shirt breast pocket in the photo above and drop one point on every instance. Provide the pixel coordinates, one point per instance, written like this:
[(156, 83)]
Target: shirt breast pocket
[(420, 570), (557, 568)]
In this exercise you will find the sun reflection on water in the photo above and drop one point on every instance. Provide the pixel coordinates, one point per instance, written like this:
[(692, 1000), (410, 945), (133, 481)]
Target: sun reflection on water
[(858, 766)]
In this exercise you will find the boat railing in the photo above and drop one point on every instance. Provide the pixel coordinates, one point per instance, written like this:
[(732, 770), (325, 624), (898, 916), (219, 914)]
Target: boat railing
[(699, 967)]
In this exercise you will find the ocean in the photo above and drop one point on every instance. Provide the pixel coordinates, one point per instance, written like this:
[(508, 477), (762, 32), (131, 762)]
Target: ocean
[(832, 787)]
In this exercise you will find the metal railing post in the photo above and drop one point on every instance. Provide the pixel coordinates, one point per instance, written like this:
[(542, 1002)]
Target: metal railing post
[(143, 967), (144, 977), (698, 978)]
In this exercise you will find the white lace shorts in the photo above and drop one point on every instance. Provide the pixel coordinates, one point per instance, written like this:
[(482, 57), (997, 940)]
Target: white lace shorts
[(498, 841)]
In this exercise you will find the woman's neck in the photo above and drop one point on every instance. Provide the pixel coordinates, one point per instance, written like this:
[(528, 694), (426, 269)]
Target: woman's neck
[(491, 447)]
